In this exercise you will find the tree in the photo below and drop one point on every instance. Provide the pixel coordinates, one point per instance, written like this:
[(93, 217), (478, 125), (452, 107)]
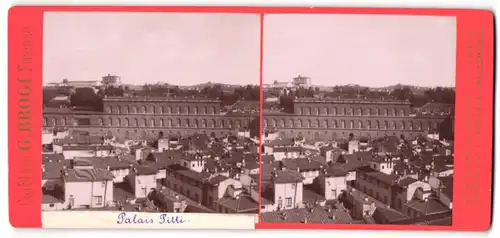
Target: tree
[(48, 95), (254, 127), (446, 129), (286, 102), (86, 97), (402, 93), (113, 91)]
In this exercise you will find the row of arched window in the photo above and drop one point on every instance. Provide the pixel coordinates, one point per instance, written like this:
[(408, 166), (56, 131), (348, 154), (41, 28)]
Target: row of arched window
[(178, 123), (55, 121), (349, 124), (161, 110), (143, 122), (352, 111)]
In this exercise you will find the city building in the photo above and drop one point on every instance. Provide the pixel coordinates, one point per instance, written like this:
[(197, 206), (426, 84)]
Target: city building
[(147, 118), (323, 119)]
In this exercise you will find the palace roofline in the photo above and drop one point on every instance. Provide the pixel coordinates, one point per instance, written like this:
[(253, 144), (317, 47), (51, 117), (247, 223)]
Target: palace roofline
[(159, 99), (350, 101)]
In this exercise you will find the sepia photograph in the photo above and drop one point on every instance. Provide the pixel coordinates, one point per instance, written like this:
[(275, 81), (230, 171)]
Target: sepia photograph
[(358, 119), (151, 112)]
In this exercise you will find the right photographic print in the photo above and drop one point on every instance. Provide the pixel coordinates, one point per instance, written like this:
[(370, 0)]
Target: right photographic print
[(358, 119)]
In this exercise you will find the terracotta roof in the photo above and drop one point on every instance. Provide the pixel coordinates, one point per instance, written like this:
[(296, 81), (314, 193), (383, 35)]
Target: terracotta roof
[(318, 214), (143, 170), (87, 175), (335, 172), (286, 176), (242, 204), (387, 216), (432, 206), (406, 181), (217, 179), (177, 168), (267, 158), (302, 164), (288, 149), (386, 178), (52, 168), (280, 142)]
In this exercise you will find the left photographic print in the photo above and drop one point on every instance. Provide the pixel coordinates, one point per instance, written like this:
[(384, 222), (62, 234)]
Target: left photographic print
[(151, 113)]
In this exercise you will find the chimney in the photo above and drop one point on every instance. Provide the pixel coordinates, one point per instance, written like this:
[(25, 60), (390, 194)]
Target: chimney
[(108, 168)]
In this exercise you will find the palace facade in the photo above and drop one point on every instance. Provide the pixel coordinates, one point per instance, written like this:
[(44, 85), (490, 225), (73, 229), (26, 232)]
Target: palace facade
[(331, 119), (146, 117)]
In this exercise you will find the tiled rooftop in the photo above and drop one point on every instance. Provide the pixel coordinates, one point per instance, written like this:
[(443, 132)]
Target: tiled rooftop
[(317, 214), (87, 175), (286, 176), (242, 204), (432, 206)]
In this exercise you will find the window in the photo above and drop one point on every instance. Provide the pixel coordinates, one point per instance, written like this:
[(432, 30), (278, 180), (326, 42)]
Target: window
[(98, 200), (288, 202), (103, 184), (382, 166), (51, 205), (280, 203)]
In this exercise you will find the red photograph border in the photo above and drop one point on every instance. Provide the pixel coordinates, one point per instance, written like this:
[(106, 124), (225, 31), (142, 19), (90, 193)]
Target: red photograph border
[(474, 109)]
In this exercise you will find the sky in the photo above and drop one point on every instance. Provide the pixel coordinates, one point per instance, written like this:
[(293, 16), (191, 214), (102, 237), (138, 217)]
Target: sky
[(175, 48), (369, 50)]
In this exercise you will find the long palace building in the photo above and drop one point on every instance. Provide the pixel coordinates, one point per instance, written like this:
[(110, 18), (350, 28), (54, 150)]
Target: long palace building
[(330, 119), (146, 117)]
